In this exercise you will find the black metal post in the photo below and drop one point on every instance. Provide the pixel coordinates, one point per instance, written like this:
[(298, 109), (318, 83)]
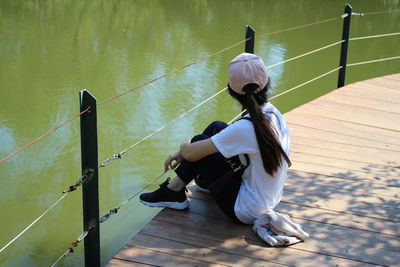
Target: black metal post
[(345, 45), (249, 45), (90, 190)]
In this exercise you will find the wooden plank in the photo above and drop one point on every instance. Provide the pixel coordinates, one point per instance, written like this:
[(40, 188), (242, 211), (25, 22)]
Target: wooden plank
[(323, 245), (342, 205), (345, 128), (392, 89), (343, 173), (184, 248), (352, 153), (385, 171), (348, 188), (223, 240), (319, 231), (390, 158), (372, 93), (146, 255), (385, 84), (355, 102), (299, 211), (358, 112), (299, 131), (123, 263), (392, 77), (358, 115)]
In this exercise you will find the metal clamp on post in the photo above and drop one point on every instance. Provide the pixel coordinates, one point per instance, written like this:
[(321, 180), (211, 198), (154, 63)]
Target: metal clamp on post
[(88, 173), (108, 161), (108, 215), (74, 244)]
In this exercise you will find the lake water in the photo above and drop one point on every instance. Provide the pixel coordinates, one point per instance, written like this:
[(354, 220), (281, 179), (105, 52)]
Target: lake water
[(50, 50)]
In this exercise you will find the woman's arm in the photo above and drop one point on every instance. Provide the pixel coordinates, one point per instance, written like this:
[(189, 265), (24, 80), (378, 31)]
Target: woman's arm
[(197, 150)]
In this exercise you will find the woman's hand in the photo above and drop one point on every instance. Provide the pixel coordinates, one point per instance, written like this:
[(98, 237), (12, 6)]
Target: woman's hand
[(173, 161)]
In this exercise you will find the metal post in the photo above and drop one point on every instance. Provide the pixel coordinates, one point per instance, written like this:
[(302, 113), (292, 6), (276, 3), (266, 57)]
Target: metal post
[(90, 190), (249, 45), (345, 45)]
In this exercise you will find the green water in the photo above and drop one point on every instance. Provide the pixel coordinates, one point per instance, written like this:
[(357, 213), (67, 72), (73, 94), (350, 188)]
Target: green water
[(49, 50)]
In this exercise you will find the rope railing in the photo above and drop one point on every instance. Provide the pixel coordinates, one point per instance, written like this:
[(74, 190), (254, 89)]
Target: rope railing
[(108, 161), (73, 246), (33, 223), (78, 183), (374, 36), (106, 216), (381, 12), (182, 68), (373, 61), (116, 156), (160, 77), (43, 135), (305, 54), (299, 27)]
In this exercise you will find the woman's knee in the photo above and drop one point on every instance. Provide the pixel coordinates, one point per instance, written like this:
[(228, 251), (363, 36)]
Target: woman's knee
[(214, 128), (199, 137)]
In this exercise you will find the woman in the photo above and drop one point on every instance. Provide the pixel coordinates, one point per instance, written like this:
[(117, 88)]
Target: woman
[(263, 137)]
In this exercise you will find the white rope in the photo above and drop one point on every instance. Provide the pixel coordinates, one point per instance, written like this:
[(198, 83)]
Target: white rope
[(35, 221), (373, 61), (305, 54), (70, 249), (108, 161), (117, 156), (172, 121), (287, 91), (374, 36), (106, 216)]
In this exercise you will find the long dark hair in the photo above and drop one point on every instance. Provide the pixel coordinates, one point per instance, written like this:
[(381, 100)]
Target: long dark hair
[(267, 138)]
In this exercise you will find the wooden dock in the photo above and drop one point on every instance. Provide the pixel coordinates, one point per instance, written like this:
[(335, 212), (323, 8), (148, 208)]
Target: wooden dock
[(343, 187)]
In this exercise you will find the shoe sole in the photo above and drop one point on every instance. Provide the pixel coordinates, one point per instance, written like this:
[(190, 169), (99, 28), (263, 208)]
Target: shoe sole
[(171, 205)]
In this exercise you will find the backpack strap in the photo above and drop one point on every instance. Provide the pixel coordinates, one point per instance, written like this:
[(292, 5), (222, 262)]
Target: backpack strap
[(285, 156)]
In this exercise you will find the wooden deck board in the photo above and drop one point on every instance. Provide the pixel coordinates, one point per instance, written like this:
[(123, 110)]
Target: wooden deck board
[(343, 188)]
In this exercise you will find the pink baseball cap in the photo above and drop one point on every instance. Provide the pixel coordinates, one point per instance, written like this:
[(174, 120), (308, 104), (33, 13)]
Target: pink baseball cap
[(247, 68)]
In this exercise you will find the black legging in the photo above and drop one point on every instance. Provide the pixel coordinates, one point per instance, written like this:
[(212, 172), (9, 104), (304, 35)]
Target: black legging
[(208, 169)]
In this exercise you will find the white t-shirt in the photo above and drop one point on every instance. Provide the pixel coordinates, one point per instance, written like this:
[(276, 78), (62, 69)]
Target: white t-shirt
[(259, 191)]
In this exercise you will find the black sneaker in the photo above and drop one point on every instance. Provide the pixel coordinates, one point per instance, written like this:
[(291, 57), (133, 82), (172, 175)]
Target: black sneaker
[(165, 197)]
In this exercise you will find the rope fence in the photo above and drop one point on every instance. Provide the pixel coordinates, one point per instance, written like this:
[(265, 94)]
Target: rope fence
[(106, 216), (161, 77), (74, 244), (191, 64), (33, 223), (108, 161), (43, 135), (305, 54), (374, 36), (373, 61), (380, 12), (78, 183)]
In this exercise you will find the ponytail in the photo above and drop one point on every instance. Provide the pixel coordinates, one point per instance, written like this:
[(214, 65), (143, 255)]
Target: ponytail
[(267, 139)]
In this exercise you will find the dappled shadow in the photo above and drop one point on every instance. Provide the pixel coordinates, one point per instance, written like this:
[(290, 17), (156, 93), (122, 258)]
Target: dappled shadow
[(352, 218)]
